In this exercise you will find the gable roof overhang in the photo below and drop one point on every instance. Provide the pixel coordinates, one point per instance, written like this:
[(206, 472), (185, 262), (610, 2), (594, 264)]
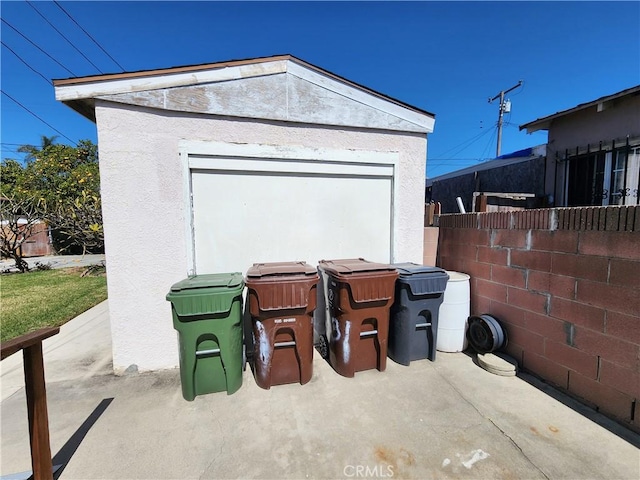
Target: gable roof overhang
[(601, 103), (80, 93)]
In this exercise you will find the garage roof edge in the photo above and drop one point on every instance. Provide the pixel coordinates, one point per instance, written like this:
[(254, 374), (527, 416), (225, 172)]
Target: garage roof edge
[(79, 93)]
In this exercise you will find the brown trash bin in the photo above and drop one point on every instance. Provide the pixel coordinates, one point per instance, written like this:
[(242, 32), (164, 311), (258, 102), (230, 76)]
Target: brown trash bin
[(359, 297), (281, 298)]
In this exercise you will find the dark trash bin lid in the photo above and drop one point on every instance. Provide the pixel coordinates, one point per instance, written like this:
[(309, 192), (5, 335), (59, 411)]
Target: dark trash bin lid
[(422, 279), (409, 269), (212, 280)]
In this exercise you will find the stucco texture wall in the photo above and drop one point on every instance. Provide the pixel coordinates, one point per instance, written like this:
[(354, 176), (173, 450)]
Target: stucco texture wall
[(144, 212), (589, 126)]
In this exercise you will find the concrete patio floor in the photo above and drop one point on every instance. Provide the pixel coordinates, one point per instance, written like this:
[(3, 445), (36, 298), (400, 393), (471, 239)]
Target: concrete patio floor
[(443, 419)]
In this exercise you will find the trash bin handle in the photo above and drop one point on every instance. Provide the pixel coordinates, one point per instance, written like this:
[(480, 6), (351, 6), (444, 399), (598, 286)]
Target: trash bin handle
[(201, 353), (368, 333)]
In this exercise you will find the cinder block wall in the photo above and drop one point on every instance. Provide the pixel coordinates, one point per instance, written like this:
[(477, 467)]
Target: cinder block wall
[(565, 284)]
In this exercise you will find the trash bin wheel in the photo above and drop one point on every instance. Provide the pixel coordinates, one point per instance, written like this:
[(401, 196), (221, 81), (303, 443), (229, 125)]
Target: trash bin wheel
[(323, 346), (244, 357), (248, 351)]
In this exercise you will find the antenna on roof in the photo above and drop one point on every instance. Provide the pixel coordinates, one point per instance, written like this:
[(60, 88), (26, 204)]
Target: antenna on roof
[(505, 107)]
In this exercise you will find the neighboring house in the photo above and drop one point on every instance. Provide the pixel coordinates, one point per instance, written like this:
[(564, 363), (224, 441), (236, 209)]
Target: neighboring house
[(210, 168), (515, 173), (38, 242), (592, 159), (593, 151)]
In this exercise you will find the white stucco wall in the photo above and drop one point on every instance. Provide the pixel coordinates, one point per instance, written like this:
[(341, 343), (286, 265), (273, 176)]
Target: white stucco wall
[(144, 210)]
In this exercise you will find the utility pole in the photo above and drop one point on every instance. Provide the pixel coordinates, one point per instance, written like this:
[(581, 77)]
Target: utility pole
[(501, 113)]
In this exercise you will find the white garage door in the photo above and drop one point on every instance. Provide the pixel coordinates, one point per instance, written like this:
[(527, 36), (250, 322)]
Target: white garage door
[(281, 209)]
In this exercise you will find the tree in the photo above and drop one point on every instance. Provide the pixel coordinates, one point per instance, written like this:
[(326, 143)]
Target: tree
[(32, 151), (19, 216), (79, 221), (18, 213), (65, 182)]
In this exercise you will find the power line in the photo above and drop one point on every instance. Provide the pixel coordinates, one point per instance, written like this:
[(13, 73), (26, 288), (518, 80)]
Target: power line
[(510, 124), (441, 162), (432, 169), (519, 91), (462, 143), (446, 161), (460, 150), (62, 35), (470, 141), (490, 142), (32, 43), (25, 62), (39, 118), (88, 35)]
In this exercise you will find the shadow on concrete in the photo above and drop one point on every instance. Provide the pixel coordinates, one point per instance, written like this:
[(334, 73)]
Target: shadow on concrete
[(573, 403), (63, 457), (584, 410)]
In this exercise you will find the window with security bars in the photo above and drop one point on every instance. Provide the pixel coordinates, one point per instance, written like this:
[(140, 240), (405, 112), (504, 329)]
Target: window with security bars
[(624, 177), (604, 178)]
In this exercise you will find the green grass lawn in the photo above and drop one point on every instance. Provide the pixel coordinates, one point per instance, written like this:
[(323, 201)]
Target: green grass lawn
[(48, 298)]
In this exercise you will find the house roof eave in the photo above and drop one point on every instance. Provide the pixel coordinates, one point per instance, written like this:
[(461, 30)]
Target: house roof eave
[(545, 122), (85, 107)]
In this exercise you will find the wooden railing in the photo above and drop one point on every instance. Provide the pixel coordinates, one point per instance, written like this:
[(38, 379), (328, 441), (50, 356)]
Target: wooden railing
[(31, 346)]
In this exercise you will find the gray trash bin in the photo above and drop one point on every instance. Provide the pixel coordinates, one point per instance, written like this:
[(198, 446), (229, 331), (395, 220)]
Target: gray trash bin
[(413, 328)]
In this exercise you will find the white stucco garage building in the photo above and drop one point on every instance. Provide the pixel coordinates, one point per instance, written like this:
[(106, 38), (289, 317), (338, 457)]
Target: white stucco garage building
[(211, 168)]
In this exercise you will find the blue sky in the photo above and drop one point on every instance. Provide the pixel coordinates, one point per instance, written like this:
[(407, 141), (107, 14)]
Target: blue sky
[(444, 57)]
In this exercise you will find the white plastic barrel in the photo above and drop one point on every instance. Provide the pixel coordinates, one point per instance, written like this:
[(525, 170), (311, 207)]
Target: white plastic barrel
[(454, 312)]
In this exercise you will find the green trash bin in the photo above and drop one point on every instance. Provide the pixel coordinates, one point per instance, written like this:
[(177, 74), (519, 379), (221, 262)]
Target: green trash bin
[(207, 313)]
